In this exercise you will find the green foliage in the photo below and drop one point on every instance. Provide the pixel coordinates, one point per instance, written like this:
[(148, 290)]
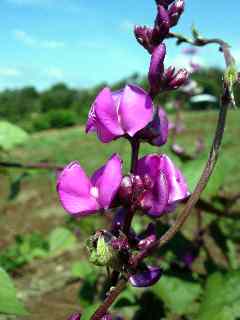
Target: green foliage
[(179, 296), (9, 304), (25, 249), (61, 239), (11, 135), (193, 170), (221, 297)]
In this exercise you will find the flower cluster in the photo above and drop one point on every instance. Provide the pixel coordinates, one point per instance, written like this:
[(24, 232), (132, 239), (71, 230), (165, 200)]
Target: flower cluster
[(154, 185)]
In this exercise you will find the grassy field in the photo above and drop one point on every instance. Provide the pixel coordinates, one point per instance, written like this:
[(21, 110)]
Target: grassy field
[(36, 207)]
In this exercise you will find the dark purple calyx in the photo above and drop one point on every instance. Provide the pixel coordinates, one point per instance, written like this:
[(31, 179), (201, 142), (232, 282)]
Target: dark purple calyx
[(146, 278)]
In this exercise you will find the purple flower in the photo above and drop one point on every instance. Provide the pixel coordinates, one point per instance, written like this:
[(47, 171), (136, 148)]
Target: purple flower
[(146, 278), (168, 187), (81, 196), (123, 112)]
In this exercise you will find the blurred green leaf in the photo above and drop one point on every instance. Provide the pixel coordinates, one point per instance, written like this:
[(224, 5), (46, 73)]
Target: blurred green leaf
[(232, 254), (178, 295), (82, 269), (61, 239), (11, 135), (221, 297), (9, 304)]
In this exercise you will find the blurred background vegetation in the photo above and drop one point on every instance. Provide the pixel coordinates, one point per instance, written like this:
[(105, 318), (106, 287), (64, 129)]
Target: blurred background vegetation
[(61, 106)]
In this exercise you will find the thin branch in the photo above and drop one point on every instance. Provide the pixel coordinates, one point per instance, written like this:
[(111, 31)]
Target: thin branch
[(29, 166)]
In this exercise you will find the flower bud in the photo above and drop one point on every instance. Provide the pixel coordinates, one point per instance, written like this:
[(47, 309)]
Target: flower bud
[(175, 12), (179, 79), (144, 36), (138, 186), (146, 278), (156, 68), (143, 244), (162, 22), (126, 189), (169, 73)]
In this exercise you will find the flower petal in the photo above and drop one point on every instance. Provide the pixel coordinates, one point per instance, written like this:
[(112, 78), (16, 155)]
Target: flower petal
[(160, 128), (106, 112), (107, 179), (73, 187), (178, 189), (157, 199), (135, 110), (146, 278)]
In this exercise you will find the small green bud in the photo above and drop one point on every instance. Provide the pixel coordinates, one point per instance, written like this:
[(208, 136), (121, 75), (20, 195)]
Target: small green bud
[(101, 252)]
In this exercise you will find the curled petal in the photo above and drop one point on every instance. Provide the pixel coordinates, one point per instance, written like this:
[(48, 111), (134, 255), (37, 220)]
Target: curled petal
[(146, 278), (73, 187), (178, 189), (156, 200), (107, 180), (135, 110), (103, 117), (106, 112), (159, 128)]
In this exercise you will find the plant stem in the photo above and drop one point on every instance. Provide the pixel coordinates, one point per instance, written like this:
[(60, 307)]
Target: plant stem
[(135, 145), (29, 166)]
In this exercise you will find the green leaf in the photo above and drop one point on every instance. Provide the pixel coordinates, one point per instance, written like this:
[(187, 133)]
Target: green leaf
[(11, 135), (221, 297), (178, 295), (61, 239), (195, 33), (9, 304)]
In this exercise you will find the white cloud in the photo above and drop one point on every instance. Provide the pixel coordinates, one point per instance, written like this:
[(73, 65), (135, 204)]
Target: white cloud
[(31, 41), (10, 72), (54, 73)]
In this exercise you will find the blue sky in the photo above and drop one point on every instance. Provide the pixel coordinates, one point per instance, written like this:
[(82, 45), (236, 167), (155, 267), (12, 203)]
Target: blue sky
[(84, 42)]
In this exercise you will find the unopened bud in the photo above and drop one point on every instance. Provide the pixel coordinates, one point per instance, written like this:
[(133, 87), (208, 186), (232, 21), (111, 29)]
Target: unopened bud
[(138, 186), (175, 12), (126, 189), (162, 22), (143, 35), (156, 68), (179, 79)]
